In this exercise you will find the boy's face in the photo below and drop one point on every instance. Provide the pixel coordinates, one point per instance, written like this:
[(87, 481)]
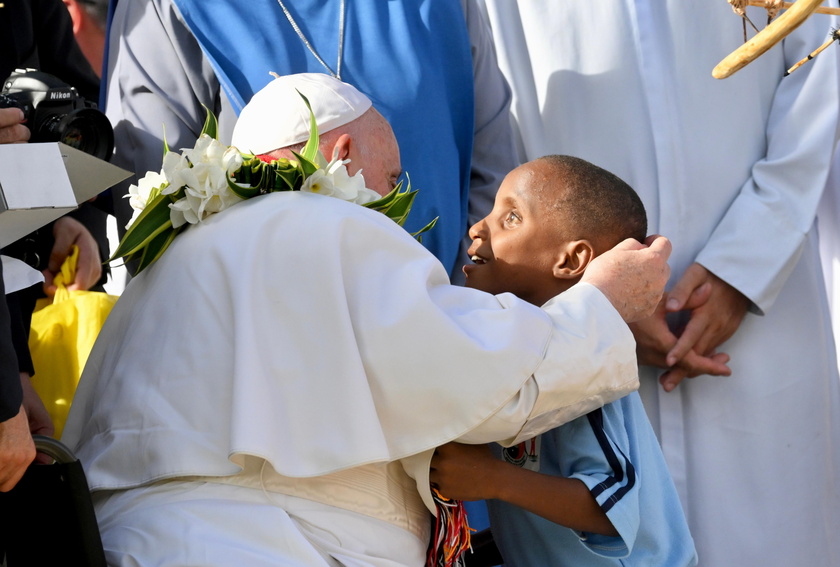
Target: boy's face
[(515, 247)]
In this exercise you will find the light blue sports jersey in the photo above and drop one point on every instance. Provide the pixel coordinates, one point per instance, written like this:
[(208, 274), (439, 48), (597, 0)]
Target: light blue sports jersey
[(614, 451)]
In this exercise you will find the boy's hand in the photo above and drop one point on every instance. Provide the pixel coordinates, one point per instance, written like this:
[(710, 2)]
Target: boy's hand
[(632, 276), (464, 472)]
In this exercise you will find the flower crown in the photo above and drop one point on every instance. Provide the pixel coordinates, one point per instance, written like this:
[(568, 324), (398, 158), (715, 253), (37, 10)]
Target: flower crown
[(211, 177)]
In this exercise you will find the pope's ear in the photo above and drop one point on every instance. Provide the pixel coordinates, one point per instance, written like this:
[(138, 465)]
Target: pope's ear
[(342, 147), (573, 259)]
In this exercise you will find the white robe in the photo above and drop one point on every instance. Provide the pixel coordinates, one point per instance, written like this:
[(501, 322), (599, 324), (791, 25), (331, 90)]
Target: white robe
[(732, 171), (319, 336)]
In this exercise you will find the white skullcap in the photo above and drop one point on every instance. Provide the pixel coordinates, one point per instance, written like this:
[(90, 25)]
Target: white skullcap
[(277, 117)]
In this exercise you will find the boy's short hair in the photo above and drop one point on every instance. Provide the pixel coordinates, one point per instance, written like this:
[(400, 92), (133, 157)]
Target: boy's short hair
[(599, 203)]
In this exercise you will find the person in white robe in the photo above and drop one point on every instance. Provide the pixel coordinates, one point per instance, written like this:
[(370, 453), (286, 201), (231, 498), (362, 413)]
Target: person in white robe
[(731, 171), (271, 390)]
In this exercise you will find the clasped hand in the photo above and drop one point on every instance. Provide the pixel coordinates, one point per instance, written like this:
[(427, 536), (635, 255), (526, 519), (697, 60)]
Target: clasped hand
[(715, 311)]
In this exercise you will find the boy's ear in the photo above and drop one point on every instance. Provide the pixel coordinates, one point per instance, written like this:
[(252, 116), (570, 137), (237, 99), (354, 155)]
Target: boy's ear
[(573, 259)]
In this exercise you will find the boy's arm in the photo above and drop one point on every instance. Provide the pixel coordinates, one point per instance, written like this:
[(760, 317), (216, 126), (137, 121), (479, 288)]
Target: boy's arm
[(471, 472)]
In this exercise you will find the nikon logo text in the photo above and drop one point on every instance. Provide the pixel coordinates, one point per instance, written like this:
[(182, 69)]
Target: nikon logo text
[(59, 96)]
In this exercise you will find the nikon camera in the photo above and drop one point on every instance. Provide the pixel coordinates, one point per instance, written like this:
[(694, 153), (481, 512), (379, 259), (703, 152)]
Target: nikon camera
[(55, 112)]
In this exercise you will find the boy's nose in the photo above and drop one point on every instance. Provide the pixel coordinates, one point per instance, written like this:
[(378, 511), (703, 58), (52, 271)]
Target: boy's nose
[(478, 230)]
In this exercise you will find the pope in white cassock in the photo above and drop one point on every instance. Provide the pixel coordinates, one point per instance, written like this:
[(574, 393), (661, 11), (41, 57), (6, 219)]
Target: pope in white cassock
[(270, 390), (732, 171)]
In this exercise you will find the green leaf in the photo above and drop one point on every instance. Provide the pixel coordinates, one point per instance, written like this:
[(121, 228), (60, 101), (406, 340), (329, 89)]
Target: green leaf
[(307, 166), (244, 192), (426, 228), (157, 246), (165, 143), (385, 202), (401, 206), (211, 125), (291, 177), (150, 222), (310, 150)]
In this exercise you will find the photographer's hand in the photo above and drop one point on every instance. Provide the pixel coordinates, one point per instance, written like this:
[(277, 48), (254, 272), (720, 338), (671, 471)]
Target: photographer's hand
[(12, 130), (68, 231)]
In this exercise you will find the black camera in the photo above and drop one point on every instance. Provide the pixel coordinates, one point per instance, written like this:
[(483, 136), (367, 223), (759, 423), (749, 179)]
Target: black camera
[(55, 112)]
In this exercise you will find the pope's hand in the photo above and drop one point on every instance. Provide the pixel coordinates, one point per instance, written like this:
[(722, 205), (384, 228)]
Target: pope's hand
[(632, 276), (12, 130)]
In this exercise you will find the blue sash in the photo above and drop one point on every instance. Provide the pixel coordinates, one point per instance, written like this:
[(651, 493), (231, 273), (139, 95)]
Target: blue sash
[(411, 57)]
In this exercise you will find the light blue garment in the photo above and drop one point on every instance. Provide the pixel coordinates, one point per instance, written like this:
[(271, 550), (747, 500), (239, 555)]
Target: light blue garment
[(413, 61), (614, 452)]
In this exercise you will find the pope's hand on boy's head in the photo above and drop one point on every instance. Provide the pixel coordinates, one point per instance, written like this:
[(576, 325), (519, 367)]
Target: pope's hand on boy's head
[(632, 276)]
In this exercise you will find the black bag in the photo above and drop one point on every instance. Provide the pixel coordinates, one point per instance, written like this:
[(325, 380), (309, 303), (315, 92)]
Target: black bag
[(48, 518)]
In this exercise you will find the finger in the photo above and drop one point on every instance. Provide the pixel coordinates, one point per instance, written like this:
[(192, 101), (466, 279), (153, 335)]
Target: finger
[(659, 244), (62, 244), (14, 134), (695, 276), (722, 358), (10, 116), (43, 459), (689, 337), (654, 341), (672, 378), (696, 365), (49, 286), (629, 244), (699, 296), (88, 271)]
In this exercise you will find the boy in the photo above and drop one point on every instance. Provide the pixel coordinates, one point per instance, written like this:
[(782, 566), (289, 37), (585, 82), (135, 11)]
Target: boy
[(602, 475)]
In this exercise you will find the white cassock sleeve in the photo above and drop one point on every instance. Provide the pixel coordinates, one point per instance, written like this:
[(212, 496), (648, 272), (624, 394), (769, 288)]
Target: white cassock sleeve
[(320, 336)]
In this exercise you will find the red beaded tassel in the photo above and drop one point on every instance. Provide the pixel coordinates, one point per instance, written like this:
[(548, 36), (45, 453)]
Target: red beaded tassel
[(451, 533)]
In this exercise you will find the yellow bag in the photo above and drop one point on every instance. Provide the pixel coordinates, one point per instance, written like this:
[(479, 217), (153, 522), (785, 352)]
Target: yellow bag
[(62, 334)]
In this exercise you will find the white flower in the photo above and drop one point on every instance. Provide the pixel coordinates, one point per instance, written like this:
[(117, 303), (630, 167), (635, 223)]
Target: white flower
[(319, 182), (333, 180), (232, 160), (181, 212), (138, 195), (173, 166), (348, 187), (203, 173)]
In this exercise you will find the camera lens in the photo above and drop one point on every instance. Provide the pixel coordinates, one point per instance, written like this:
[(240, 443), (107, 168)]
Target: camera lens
[(86, 130)]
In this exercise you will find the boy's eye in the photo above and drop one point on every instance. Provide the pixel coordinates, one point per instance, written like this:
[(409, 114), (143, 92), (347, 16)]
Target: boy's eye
[(512, 218)]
